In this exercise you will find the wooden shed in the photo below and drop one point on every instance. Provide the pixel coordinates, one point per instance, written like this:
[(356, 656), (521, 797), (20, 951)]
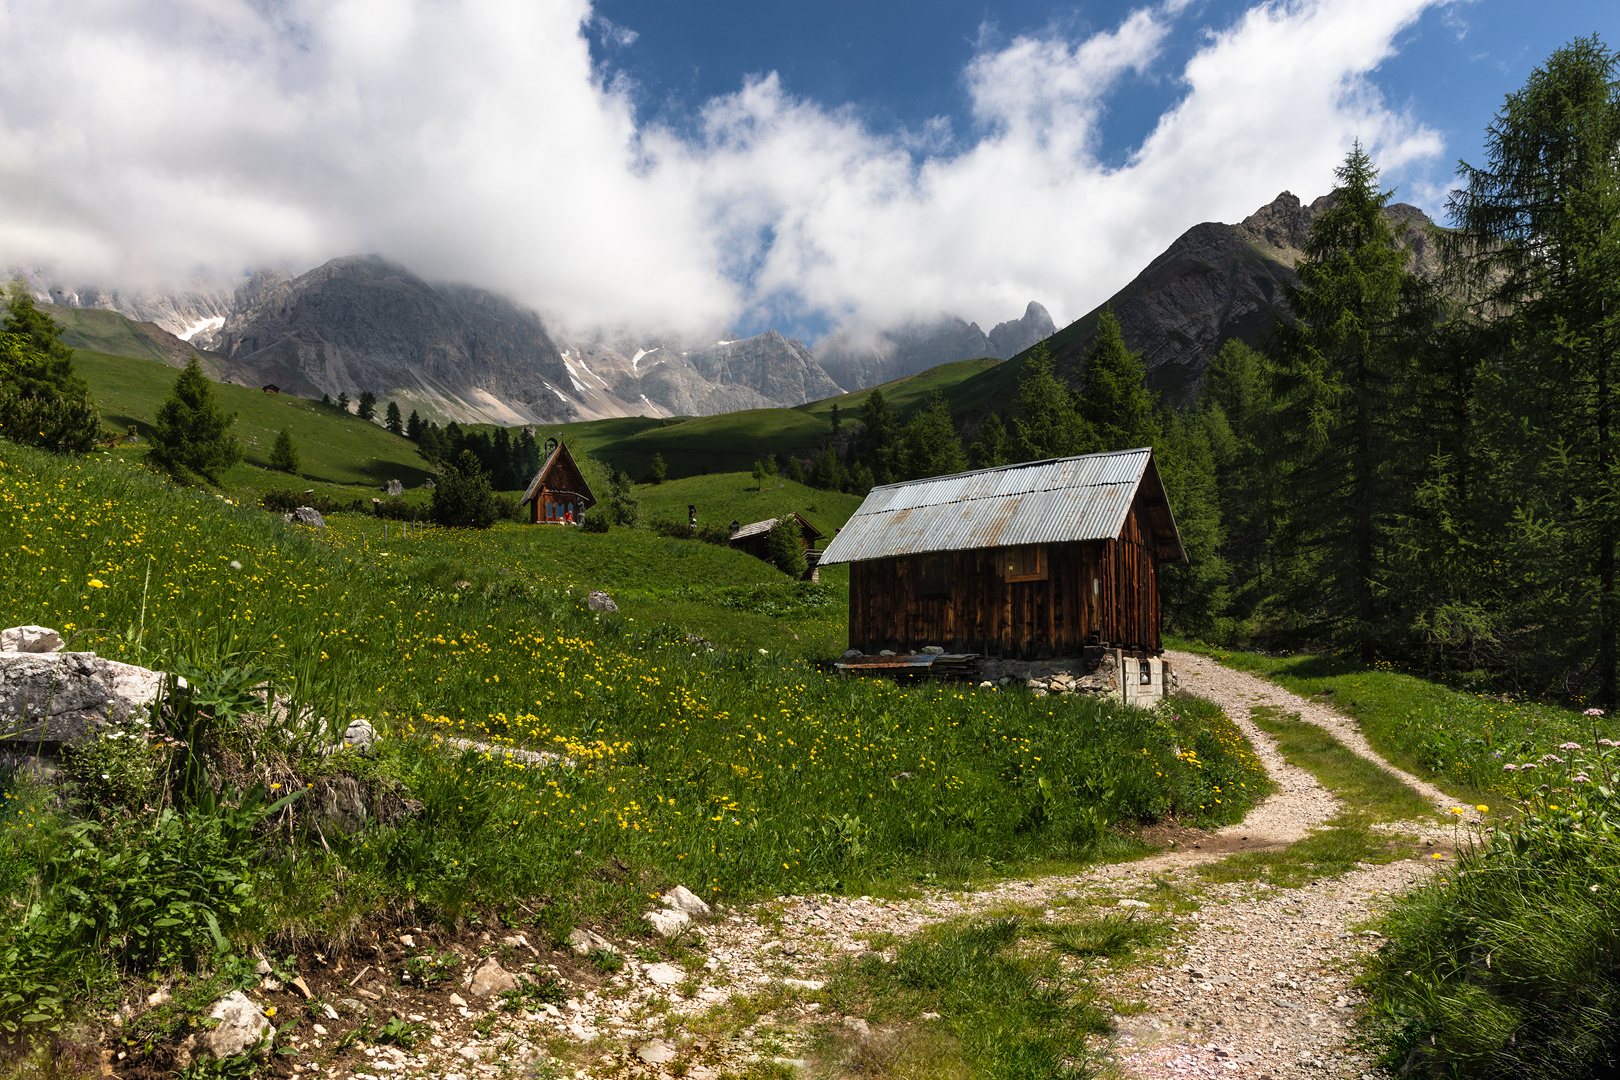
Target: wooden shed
[(558, 494), (751, 538), (1041, 559)]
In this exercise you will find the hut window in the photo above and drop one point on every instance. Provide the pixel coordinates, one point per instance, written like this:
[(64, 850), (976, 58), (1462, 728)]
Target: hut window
[(934, 577), (1027, 563)]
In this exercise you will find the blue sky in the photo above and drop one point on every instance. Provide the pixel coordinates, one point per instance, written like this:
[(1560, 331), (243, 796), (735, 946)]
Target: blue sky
[(633, 166), (899, 62)]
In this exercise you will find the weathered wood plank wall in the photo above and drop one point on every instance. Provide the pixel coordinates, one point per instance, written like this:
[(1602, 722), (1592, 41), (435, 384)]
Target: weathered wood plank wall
[(1093, 591)]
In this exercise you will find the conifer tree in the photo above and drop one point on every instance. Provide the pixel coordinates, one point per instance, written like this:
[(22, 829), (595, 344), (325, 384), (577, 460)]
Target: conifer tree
[(191, 436), (1112, 398), (880, 437), (1537, 234), (992, 446), (393, 422), (463, 498), (931, 446), (623, 508), (367, 408), (42, 401), (784, 548), (1342, 373), (1048, 424), (413, 427), (343, 401), (284, 455), (827, 474), (656, 470)]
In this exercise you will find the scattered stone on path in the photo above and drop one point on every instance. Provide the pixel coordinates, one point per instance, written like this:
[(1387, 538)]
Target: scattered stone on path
[(665, 974), (585, 941), (600, 601), (657, 1052), (668, 923), (491, 979)]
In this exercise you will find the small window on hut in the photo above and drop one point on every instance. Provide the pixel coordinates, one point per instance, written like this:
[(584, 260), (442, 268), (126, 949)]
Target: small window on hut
[(1027, 563), (934, 577)]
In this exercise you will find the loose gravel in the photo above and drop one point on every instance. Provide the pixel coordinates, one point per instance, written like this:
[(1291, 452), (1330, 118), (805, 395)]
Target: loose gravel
[(1257, 984)]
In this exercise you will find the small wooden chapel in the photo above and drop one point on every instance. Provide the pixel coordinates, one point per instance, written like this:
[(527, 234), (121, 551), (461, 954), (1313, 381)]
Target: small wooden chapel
[(558, 494)]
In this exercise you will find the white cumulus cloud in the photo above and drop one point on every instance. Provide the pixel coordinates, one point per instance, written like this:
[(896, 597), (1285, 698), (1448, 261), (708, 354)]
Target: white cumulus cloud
[(144, 141)]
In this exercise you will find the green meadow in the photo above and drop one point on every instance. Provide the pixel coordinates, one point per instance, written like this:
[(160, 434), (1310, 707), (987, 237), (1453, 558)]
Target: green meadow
[(699, 739)]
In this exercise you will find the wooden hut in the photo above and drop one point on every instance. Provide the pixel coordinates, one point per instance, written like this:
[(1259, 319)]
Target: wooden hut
[(751, 538), (1042, 559), (558, 494)]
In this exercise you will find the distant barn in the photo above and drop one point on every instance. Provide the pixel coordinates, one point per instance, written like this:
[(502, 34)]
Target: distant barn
[(1042, 559), (752, 539), (558, 494)]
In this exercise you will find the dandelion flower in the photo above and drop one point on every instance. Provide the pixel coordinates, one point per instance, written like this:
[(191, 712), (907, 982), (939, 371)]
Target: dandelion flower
[(1482, 808), (97, 583)]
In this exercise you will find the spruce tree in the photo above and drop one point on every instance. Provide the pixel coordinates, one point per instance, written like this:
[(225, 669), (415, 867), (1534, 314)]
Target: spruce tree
[(1113, 399), (828, 472), (42, 401), (992, 446), (931, 445), (1048, 425), (880, 437), (284, 455), (367, 408), (191, 436), (623, 508), (463, 498), (656, 471), (1342, 376), (343, 401), (784, 548), (413, 427), (393, 422)]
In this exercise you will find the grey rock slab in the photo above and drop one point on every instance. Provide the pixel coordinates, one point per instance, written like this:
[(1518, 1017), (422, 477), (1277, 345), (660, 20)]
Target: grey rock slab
[(62, 697), (600, 601), (665, 974), (307, 515), (668, 923), (242, 1026), (683, 899), (657, 1052)]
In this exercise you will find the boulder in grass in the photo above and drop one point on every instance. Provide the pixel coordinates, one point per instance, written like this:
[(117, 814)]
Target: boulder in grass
[(668, 923), (491, 979), (242, 1028), (58, 697), (30, 639), (600, 601), (393, 487), (680, 898), (307, 515)]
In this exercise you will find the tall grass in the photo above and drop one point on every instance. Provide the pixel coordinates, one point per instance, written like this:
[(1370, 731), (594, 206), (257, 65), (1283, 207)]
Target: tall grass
[(1508, 964), (736, 771), (1456, 737)]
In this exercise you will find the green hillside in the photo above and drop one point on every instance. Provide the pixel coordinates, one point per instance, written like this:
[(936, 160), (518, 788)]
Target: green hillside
[(337, 449), (726, 497), (96, 330)]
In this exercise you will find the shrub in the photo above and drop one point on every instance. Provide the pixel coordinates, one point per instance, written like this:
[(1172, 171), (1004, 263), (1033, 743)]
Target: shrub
[(677, 530), (784, 548), (508, 508), (285, 500), (596, 521), (622, 507), (463, 498), (656, 471)]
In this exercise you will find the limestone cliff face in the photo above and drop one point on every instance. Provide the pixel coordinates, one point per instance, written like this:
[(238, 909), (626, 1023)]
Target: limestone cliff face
[(363, 323), (1218, 282), (857, 362)]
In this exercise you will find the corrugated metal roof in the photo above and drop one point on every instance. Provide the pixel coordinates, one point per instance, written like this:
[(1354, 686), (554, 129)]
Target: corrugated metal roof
[(1037, 502)]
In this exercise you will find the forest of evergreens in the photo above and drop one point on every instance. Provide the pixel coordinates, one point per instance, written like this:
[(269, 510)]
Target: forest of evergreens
[(1418, 469)]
